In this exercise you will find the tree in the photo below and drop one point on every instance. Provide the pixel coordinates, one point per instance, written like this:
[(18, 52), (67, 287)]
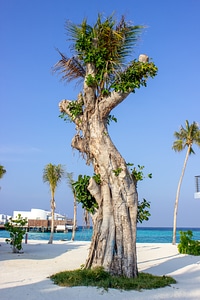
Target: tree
[(70, 181), (16, 227), (185, 138), (2, 172), (53, 174), (100, 60)]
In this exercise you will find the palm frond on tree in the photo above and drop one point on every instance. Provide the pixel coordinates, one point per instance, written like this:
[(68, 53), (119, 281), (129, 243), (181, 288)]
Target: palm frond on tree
[(69, 68), (106, 45)]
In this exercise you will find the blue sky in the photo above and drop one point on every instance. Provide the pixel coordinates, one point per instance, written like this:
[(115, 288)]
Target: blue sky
[(32, 135)]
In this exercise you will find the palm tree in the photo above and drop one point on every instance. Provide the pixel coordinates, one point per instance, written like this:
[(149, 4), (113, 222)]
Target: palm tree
[(186, 137), (52, 174), (2, 172)]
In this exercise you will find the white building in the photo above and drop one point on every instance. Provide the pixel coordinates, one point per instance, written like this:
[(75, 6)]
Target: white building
[(37, 214)]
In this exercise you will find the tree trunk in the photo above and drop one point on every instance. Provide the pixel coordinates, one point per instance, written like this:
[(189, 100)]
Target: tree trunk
[(52, 220), (177, 196), (113, 243), (75, 220)]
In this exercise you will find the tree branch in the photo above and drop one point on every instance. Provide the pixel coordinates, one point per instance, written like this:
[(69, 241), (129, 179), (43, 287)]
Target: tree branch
[(64, 107), (94, 190), (108, 103)]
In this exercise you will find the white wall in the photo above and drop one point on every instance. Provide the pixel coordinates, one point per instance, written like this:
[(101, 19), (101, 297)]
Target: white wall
[(24, 214), (36, 214)]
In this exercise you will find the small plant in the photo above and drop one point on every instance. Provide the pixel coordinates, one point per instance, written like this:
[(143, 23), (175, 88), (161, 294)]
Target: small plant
[(97, 178), (91, 81), (17, 231), (137, 174), (187, 245), (110, 119), (83, 195), (143, 213), (117, 171), (65, 117), (75, 109)]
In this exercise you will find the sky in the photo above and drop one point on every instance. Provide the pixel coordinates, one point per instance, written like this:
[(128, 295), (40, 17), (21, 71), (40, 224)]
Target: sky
[(32, 134)]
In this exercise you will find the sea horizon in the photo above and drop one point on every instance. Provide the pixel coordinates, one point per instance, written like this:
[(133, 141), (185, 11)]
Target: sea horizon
[(144, 234)]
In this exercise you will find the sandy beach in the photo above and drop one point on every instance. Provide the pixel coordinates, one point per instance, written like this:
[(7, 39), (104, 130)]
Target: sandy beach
[(26, 276)]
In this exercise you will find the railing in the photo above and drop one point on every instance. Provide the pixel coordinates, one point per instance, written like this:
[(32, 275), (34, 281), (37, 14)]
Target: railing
[(197, 187)]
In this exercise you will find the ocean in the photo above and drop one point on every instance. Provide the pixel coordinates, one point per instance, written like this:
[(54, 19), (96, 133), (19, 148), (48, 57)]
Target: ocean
[(144, 234)]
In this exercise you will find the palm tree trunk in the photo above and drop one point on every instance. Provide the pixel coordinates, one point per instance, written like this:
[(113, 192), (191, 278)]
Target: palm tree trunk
[(178, 194), (75, 220), (52, 220)]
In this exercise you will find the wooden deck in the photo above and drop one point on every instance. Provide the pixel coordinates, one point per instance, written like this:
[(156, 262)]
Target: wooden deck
[(45, 225)]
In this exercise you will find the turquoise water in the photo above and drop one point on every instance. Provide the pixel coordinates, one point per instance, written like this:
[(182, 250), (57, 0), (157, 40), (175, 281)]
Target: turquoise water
[(144, 235)]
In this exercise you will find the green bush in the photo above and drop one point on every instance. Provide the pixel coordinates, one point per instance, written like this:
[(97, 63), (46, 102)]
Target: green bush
[(17, 231), (187, 245)]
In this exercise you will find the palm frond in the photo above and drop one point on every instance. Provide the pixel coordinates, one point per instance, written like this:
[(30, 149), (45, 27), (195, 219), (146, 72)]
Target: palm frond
[(178, 145), (187, 137), (69, 68), (106, 46), (53, 174)]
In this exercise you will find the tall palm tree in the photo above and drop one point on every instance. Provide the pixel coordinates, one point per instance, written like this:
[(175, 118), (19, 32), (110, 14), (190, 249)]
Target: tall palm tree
[(186, 137), (52, 174), (2, 172)]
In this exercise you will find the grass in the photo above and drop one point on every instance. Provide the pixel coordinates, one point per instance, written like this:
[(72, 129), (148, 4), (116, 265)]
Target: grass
[(99, 278)]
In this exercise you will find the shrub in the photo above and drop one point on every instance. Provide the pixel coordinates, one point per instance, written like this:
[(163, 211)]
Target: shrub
[(187, 245), (17, 231)]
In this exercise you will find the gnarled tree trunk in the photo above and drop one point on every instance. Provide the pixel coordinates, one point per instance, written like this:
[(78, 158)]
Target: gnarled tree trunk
[(114, 240), (113, 243)]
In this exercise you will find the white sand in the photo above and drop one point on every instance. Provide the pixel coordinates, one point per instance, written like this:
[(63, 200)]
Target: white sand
[(25, 276)]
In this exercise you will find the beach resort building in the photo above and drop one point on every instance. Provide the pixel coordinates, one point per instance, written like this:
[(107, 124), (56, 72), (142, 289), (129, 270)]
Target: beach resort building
[(37, 214), (40, 220)]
